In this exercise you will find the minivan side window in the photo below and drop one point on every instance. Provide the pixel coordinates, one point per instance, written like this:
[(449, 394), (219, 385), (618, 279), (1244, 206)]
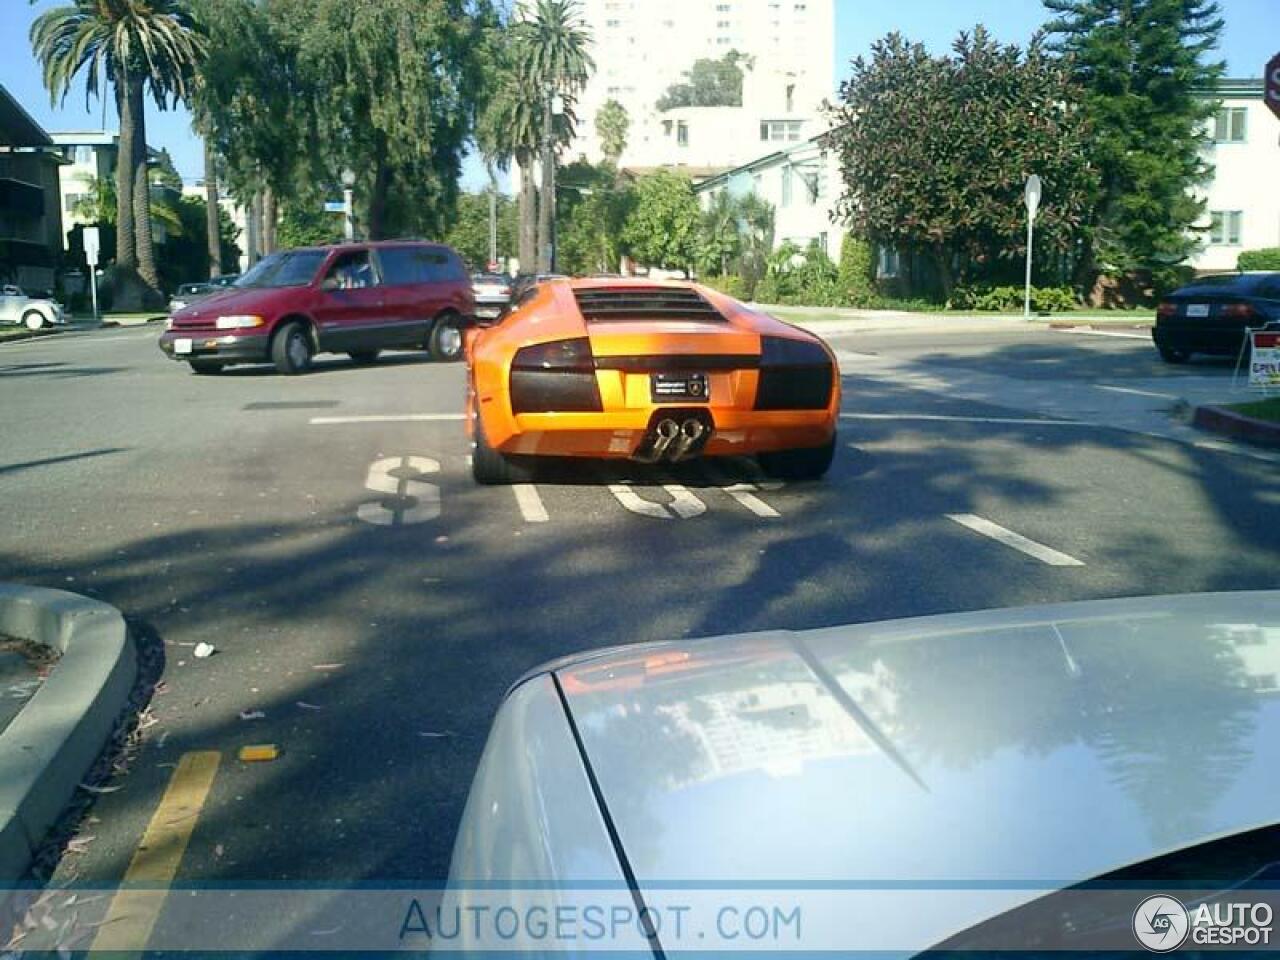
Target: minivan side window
[(401, 265), (353, 271)]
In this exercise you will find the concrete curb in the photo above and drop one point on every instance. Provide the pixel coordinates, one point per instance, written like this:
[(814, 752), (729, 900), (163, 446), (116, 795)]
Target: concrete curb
[(55, 739), (1228, 423), (109, 323), (32, 335)]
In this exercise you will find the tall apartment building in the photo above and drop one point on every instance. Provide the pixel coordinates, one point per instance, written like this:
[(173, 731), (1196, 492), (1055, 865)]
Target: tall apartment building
[(642, 47)]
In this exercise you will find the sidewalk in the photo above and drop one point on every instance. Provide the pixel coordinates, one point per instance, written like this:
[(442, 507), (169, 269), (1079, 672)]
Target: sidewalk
[(835, 320)]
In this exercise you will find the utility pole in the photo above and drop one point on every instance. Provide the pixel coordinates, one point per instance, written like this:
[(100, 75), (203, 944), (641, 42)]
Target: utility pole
[(348, 203), (1031, 196)]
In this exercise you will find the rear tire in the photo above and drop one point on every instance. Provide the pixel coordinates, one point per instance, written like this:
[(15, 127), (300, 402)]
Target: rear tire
[(808, 463), (34, 319), (491, 468), (363, 356), (445, 343), (1171, 355), (291, 350), (205, 368)]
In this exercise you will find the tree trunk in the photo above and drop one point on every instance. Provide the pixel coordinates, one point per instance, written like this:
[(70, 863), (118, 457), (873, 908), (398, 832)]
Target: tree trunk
[(268, 220), (255, 227), (127, 294), (142, 197), (377, 223), (528, 204), (213, 224), (942, 262), (546, 201)]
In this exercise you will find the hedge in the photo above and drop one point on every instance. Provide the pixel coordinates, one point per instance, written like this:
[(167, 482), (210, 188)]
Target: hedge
[(1266, 259)]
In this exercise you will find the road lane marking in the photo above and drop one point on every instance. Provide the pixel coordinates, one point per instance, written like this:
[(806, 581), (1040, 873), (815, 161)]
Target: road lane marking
[(638, 504), (744, 493), (530, 503), (381, 480), (136, 906), (1136, 392), (1103, 333), (1015, 540), (948, 418), (389, 418), (684, 503)]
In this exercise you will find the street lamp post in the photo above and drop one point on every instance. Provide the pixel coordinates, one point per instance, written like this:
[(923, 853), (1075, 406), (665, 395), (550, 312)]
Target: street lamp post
[(1031, 196), (348, 202)]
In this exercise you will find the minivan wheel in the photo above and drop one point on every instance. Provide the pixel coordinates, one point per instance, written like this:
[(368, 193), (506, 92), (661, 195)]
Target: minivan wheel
[(291, 350), (205, 368), (445, 343), (1171, 355)]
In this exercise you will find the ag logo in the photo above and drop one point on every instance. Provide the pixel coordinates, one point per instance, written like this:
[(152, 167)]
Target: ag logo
[(1161, 924)]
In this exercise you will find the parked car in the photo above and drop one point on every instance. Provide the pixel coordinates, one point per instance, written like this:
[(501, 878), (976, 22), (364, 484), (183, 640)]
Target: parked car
[(1214, 314), (647, 371), (909, 783), (356, 299), (524, 282), (187, 294), (33, 312), (226, 280), (493, 293)]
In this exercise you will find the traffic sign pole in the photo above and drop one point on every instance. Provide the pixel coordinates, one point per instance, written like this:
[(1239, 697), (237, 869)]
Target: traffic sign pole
[(1031, 195), (91, 241)]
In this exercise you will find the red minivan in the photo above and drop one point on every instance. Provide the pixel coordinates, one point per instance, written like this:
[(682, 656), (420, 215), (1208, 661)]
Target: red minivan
[(353, 298)]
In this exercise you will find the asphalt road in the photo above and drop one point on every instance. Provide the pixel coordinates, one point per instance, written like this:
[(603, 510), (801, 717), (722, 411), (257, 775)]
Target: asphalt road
[(377, 632)]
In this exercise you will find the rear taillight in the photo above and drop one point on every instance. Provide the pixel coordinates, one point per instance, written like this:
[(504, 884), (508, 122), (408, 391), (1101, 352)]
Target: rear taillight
[(555, 377), (1167, 309), (1238, 311), (794, 375)]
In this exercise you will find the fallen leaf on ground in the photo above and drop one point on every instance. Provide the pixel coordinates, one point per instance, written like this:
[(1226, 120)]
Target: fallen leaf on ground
[(204, 650), (252, 715), (308, 706), (433, 735), (328, 666), (260, 753)]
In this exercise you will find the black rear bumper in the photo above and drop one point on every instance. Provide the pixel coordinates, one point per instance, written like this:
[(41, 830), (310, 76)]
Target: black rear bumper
[(1215, 339)]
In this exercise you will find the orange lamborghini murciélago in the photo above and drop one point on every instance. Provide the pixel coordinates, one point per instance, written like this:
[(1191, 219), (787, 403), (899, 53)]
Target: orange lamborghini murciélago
[(648, 371)]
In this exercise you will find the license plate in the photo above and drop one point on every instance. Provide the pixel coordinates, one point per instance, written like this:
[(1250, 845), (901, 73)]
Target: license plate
[(1197, 310), (182, 346), (679, 386)]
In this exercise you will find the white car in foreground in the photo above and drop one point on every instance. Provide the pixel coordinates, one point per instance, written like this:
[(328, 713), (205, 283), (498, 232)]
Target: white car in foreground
[(947, 781), (34, 313)]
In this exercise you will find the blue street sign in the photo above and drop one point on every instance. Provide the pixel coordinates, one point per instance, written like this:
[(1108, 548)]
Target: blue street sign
[(335, 206)]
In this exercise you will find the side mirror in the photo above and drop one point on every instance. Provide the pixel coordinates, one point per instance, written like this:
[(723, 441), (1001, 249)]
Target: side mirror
[(330, 284)]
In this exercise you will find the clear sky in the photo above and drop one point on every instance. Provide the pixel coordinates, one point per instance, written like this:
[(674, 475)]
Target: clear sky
[(1252, 35)]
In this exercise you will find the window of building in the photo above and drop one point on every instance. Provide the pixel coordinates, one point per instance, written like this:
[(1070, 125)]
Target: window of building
[(682, 134), (791, 98), (1229, 125), (83, 155), (1224, 227), (70, 200), (613, 23), (666, 128), (786, 186), (723, 24), (722, 8), (888, 264)]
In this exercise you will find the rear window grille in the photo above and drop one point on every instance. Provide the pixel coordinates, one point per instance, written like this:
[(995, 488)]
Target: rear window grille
[(627, 303)]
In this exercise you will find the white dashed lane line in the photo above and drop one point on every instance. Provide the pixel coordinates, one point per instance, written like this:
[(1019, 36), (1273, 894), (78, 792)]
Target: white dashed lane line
[(1015, 540), (389, 418), (1136, 392), (530, 502), (949, 418)]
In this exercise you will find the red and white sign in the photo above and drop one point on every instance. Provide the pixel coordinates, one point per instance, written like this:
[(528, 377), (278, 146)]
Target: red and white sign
[(1273, 84), (1264, 360)]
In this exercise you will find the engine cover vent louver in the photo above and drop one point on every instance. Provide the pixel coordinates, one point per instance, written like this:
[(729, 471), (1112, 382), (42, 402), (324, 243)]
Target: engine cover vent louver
[(602, 304)]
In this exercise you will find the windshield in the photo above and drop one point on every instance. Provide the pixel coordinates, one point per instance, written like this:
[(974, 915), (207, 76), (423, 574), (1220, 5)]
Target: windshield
[(289, 269)]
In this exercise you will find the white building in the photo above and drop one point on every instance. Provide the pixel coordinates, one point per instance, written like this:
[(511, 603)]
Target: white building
[(801, 182), (1242, 208), (90, 155), (642, 47)]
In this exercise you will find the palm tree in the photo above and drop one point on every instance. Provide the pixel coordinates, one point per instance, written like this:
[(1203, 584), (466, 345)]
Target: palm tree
[(99, 205), (137, 46), (612, 124), (551, 41)]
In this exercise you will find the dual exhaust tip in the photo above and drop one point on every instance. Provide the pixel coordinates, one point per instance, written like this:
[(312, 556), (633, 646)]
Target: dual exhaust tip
[(675, 441)]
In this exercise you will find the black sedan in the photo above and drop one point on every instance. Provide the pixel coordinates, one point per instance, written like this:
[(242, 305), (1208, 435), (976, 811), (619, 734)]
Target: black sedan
[(1214, 314)]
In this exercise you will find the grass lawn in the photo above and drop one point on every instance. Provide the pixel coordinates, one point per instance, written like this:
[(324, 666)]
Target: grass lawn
[(1260, 409)]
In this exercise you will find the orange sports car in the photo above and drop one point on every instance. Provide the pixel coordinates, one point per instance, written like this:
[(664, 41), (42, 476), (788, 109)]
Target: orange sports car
[(647, 371)]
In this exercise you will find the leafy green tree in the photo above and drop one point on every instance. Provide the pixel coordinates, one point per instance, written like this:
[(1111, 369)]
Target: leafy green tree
[(612, 124), (1140, 63), (135, 46), (99, 205), (662, 229), (595, 204), (935, 152), (468, 231), (720, 239), (709, 83), (185, 256), (307, 225)]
